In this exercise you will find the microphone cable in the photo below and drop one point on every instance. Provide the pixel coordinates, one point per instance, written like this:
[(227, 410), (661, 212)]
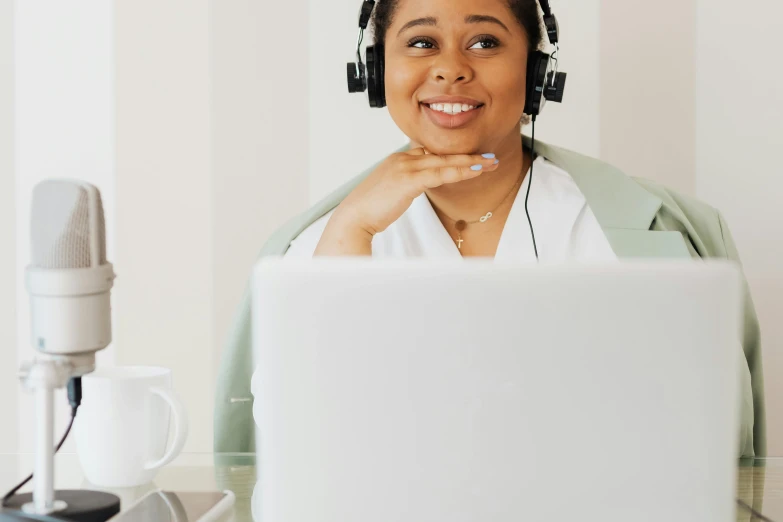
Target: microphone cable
[(75, 400)]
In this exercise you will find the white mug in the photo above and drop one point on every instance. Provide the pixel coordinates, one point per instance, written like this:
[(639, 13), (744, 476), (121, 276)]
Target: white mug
[(122, 425)]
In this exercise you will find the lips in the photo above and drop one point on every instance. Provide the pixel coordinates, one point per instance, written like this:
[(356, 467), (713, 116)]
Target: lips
[(452, 99), (451, 112)]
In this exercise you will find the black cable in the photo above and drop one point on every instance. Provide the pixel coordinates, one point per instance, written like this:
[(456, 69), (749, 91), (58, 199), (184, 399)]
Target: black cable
[(11, 493), (529, 184), (359, 49), (74, 399), (755, 514)]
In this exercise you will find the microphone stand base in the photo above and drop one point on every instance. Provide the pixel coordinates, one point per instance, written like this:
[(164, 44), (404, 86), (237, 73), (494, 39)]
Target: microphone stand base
[(79, 505), (58, 505)]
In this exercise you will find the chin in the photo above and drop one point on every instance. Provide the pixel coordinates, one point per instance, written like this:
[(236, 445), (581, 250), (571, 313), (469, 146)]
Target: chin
[(451, 144)]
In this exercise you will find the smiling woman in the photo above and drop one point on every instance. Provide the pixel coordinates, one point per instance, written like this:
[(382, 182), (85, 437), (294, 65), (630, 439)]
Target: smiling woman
[(458, 76), (481, 49)]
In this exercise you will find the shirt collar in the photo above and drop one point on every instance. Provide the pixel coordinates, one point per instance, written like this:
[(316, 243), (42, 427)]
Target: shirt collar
[(616, 199)]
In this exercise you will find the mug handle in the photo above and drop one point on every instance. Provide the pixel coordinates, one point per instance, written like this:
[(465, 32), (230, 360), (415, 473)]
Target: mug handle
[(180, 426)]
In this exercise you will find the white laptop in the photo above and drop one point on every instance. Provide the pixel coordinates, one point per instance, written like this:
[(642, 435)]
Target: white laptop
[(407, 391)]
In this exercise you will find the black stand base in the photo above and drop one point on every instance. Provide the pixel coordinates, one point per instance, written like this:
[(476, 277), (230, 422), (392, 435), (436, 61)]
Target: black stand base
[(83, 506)]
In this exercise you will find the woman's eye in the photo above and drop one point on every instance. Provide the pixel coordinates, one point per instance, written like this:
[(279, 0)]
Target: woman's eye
[(421, 43), (485, 43)]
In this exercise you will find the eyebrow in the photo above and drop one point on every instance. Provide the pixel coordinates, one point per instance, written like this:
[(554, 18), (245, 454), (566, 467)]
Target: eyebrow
[(470, 19), (429, 20), (478, 19)]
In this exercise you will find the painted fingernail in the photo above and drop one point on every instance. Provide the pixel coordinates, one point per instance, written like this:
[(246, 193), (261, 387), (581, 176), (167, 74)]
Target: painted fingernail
[(489, 155), (476, 167), (497, 161)]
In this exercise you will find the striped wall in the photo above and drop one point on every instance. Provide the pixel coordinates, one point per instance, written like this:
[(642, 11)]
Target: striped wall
[(64, 127), (165, 217), (648, 94), (207, 124), (8, 383)]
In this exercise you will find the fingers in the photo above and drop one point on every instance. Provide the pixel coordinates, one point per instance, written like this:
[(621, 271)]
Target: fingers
[(430, 161), (431, 171), (425, 171), (435, 177)]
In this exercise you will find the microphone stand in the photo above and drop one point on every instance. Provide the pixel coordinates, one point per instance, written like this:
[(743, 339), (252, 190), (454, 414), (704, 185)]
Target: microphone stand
[(42, 376)]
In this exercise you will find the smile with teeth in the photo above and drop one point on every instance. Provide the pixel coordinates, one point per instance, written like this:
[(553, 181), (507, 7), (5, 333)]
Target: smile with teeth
[(452, 108)]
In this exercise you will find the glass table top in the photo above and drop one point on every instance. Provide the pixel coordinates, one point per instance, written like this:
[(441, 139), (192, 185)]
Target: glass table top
[(759, 481)]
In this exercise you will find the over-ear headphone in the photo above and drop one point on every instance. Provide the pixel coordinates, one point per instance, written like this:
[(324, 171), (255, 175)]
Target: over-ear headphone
[(544, 82)]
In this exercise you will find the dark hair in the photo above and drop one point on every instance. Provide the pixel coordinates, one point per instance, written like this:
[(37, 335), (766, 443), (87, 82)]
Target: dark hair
[(526, 12)]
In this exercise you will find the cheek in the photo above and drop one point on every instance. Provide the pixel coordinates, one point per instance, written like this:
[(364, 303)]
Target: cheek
[(403, 79), (507, 88)]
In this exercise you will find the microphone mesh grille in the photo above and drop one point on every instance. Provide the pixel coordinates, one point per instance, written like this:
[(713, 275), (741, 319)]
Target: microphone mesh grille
[(61, 226)]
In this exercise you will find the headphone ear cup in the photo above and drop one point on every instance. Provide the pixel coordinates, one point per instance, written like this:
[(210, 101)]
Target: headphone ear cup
[(537, 67), (376, 76)]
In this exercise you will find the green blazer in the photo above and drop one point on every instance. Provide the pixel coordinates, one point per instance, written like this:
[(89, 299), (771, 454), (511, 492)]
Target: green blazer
[(640, 219)]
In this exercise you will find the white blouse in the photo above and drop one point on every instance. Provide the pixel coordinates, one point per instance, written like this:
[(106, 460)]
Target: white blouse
[(565, 228)]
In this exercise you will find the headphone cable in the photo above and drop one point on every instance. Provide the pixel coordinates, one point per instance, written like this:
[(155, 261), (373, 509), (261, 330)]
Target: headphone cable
[(529, 184)]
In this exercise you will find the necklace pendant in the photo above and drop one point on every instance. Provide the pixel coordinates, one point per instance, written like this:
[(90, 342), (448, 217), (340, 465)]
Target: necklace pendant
[(460, 241), (486, 218)]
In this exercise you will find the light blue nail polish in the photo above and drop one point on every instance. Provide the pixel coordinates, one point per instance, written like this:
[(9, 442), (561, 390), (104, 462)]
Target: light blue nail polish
[(488, 155), (497, 161), (476, 167)]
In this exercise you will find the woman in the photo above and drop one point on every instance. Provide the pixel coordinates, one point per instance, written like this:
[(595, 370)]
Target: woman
[(455, 85)]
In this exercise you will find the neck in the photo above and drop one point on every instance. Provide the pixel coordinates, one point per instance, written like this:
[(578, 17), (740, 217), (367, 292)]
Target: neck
[(471, 199)]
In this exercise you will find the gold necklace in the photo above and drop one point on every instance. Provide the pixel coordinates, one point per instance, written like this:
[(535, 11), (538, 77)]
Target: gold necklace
[(461, 225)]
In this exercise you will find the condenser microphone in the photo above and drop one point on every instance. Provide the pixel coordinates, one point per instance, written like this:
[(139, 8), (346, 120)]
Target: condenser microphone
[(70, 282), (69, 278)]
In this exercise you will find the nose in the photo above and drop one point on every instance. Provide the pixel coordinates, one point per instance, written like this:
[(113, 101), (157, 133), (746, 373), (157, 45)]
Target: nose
[(451, 67)]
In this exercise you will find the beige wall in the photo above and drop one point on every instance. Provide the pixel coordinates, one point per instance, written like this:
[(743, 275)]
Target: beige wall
[(163, 294), (259, 142), (647, 63), (9, 385), (211, 158)]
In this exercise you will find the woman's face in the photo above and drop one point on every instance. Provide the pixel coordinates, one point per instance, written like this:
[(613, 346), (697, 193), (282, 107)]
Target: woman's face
[(463, 52)]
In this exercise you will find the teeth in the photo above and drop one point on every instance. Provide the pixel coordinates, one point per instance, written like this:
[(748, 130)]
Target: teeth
[(451, 108)]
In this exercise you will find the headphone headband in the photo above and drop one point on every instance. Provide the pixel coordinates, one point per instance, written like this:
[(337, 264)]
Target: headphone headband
[(366, 13), (545, 7)]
